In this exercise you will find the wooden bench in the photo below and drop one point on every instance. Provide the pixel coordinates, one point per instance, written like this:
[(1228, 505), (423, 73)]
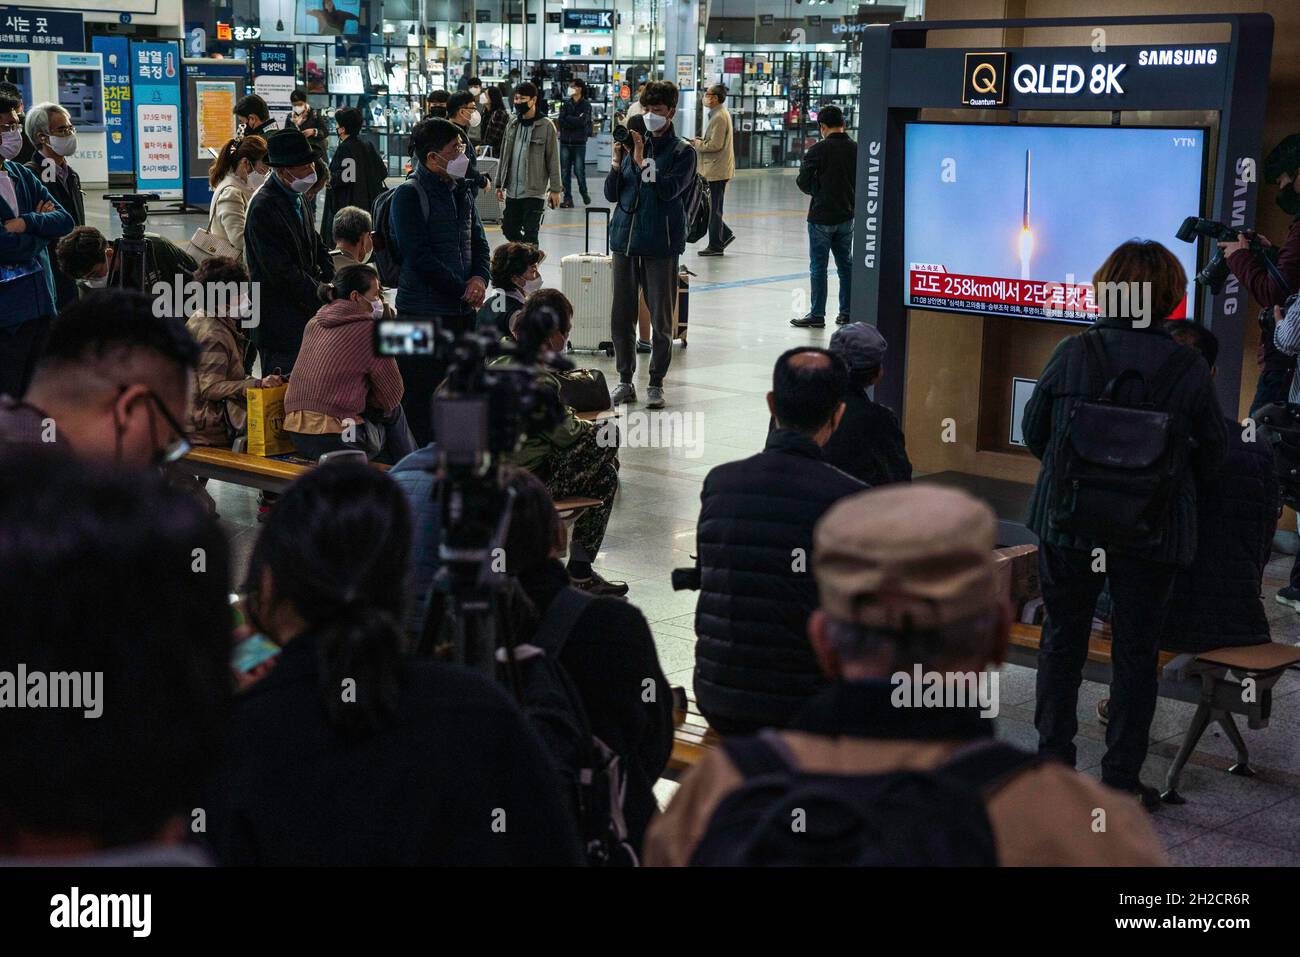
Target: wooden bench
[(1215, 681), (692, 739), (276, 475)]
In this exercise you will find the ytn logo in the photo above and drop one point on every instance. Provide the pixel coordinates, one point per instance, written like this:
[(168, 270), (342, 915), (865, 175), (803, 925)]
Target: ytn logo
[(984, 79)]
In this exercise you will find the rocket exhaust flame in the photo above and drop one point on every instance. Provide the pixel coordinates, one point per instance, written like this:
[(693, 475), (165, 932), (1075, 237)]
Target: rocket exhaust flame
[(1026, 234)]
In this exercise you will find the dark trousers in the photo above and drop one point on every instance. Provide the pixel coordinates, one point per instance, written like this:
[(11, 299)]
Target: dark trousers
[(20, 347), (573, 162), (658, 277), (824, 242), (1140, 592), (521, 219), (1273, 386), (397, 443), (719, 232)]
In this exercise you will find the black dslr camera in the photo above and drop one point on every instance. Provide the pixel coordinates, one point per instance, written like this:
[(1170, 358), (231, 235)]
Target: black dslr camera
[(1215, 272)]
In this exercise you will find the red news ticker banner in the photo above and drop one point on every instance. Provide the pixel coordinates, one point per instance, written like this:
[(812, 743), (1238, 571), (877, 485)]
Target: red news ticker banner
[(1011, 297)]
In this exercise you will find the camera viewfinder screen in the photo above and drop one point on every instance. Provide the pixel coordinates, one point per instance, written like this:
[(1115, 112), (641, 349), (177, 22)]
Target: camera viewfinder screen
[(1014, 220)]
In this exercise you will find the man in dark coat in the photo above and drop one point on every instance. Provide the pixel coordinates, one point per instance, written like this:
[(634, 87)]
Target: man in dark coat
[(869, 443), (575, 128), (443, 250), (284, 253), (754, 667), (1140, 578), (357, 172)]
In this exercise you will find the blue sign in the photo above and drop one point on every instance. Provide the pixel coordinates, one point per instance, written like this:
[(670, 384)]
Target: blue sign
[(37, 29), (118, 127), (156, 87)]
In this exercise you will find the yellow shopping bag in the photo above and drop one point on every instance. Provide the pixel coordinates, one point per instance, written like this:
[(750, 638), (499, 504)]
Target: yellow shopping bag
[(266, 435)]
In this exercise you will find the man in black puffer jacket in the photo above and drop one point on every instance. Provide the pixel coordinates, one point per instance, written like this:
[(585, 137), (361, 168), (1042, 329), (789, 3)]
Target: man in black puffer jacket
[(754, 667), (1216, 602)]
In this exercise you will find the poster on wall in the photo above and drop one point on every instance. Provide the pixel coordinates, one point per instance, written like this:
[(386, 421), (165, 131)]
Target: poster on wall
[(117, 102), (273, 78), (215, 113), (686, 72), (156, 84)]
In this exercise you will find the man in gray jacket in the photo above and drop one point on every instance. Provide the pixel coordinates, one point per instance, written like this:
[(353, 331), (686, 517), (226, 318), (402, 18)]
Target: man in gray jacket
[(529, 176)]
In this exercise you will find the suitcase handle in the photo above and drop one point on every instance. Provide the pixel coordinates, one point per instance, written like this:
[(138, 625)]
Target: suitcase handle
[(586, 229)]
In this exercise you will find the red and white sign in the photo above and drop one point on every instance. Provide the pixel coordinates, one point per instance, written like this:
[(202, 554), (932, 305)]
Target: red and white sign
[(932, 285)]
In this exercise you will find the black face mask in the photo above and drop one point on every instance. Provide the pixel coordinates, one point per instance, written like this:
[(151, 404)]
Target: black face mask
[(1288, 200), (522, 108)]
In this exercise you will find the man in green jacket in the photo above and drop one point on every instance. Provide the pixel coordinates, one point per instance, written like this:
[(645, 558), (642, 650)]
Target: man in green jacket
[(574, 458)]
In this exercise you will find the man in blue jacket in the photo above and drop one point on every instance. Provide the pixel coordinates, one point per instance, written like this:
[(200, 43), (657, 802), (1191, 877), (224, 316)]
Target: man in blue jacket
[(648, 183), (31, 221), (443, 252)]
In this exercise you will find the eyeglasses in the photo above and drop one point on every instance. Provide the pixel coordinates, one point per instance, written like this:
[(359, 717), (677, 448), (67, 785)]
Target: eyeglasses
[(10, 127), (67, 129), (178, 446)]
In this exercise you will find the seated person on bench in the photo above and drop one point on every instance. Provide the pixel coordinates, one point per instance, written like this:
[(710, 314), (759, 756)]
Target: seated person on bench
[(220, 412), (573, 459), (898, 594), (515, 277), (341, 395), (112, 383)]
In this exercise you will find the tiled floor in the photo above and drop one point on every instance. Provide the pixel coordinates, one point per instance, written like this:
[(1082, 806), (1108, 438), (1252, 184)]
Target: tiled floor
[(740, 306)]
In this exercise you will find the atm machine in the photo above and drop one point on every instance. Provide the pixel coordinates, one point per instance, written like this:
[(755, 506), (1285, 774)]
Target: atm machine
[(16, 67), (75, 81)]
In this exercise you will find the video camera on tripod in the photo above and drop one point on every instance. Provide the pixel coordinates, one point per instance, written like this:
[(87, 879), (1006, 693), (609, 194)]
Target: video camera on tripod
[(1281, 424), (133, 259), (480, 412)]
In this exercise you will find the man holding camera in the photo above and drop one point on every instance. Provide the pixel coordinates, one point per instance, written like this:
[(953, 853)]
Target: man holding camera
[(1281, 167), (648, 182)]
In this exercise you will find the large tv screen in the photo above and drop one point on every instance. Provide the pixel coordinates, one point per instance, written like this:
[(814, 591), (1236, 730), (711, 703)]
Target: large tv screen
[(1014, 220), (331, 18)]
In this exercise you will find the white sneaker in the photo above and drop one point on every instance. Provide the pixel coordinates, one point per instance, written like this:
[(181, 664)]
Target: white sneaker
[(654, 397), (623, 392)]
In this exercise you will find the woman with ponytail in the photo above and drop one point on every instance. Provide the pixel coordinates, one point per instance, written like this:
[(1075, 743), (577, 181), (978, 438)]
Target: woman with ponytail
[(347, 753), (239, 169), (341, 395)]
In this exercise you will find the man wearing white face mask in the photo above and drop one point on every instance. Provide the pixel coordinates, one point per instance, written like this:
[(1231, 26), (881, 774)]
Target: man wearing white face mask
[(479, 99), (284, 253), (31, 221), (462, 111), (442, 249), (50, 128)]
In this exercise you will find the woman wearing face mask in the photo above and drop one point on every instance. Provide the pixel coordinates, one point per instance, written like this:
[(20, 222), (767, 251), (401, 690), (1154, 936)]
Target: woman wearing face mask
[(220, 410), (515, 277), (357, 172), (50, 128), (237, 172), (496, 116), (341, 395)]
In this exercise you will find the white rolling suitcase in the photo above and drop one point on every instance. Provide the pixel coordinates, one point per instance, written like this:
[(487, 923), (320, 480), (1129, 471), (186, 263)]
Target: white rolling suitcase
[(587, 279), (489, 210)]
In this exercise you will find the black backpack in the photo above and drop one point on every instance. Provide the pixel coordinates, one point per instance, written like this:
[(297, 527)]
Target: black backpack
[(784, 816), (1118, 463), (593, 774), (387, 258), (698, 203)]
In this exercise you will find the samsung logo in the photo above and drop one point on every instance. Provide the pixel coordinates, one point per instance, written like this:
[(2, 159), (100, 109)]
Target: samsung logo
[(1182, 56)]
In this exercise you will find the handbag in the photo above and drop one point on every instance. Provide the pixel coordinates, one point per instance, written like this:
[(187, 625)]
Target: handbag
[(266, 434), (203, 245), (584, 390)]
